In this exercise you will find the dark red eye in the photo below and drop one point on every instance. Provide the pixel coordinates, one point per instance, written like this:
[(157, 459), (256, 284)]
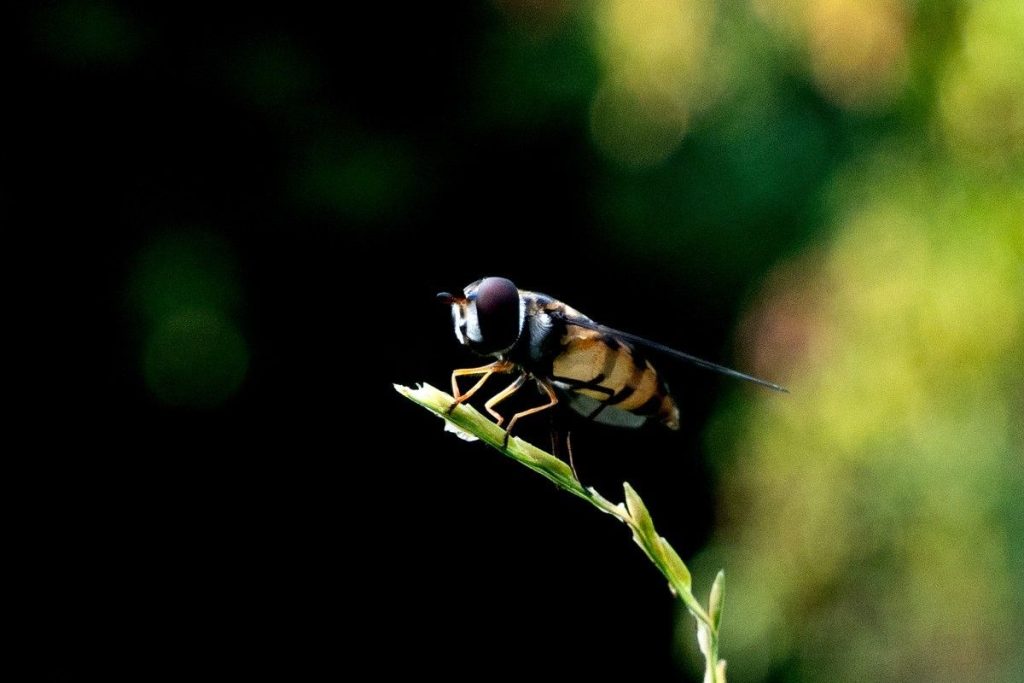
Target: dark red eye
[(497, 309)]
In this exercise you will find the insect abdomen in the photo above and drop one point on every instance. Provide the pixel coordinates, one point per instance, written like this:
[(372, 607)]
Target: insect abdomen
[(606, 369)]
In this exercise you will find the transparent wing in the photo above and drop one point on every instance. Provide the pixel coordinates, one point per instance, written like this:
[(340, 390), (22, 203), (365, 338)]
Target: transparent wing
[(670, 352)]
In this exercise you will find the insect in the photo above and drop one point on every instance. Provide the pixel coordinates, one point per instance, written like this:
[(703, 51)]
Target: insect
[(602, 373)]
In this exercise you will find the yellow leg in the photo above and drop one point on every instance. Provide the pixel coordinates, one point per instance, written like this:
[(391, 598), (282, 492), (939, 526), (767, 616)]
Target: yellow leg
[(553, 400), (501, 396), (486, 371)]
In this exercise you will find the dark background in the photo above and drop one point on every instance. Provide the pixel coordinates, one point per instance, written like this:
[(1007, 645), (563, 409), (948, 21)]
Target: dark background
[(346, 165)]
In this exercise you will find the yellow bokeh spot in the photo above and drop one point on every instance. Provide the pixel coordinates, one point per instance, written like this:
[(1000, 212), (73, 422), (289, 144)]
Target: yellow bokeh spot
[(982, 93), (638, 124), (879, 484), (652, 54), (857, 50)]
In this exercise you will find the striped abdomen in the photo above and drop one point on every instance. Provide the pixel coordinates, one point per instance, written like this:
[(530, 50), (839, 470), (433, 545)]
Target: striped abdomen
[(607, 369)]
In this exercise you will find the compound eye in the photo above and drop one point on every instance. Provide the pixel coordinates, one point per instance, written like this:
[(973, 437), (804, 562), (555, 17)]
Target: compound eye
[(497, 309)]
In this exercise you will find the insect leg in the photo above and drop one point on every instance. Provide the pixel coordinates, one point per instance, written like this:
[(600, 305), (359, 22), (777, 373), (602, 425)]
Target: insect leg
[(555, 439), (502, 395), (557, 435), (553, 399), (568, 447), (486, 371)]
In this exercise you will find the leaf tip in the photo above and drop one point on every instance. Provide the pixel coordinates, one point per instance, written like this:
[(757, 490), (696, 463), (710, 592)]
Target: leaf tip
[(638, 511), (717, 599)]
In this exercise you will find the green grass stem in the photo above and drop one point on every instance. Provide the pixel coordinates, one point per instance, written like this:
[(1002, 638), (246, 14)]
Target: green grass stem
[(470, 423)]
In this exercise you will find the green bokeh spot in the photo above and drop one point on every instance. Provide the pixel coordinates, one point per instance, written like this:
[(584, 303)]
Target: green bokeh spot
[(89, 33), (185, 271), (528, 80), (273, 71), (365, 183), (195, 359)]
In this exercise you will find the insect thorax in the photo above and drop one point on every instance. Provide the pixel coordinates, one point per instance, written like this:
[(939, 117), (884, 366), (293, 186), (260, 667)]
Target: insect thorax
[(540, 340)]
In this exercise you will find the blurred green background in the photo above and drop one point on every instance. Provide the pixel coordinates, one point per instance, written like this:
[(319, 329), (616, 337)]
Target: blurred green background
[(238, 219)]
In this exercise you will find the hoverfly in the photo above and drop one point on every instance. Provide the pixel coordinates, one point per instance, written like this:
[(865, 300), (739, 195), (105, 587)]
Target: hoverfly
[(602, 373)]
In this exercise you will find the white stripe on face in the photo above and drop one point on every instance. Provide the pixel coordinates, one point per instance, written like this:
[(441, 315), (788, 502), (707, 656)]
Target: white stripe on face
[(473, 324), (458, 320)]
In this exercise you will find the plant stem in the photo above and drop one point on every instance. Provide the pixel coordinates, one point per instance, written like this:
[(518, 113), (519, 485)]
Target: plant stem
[(633, 513)]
